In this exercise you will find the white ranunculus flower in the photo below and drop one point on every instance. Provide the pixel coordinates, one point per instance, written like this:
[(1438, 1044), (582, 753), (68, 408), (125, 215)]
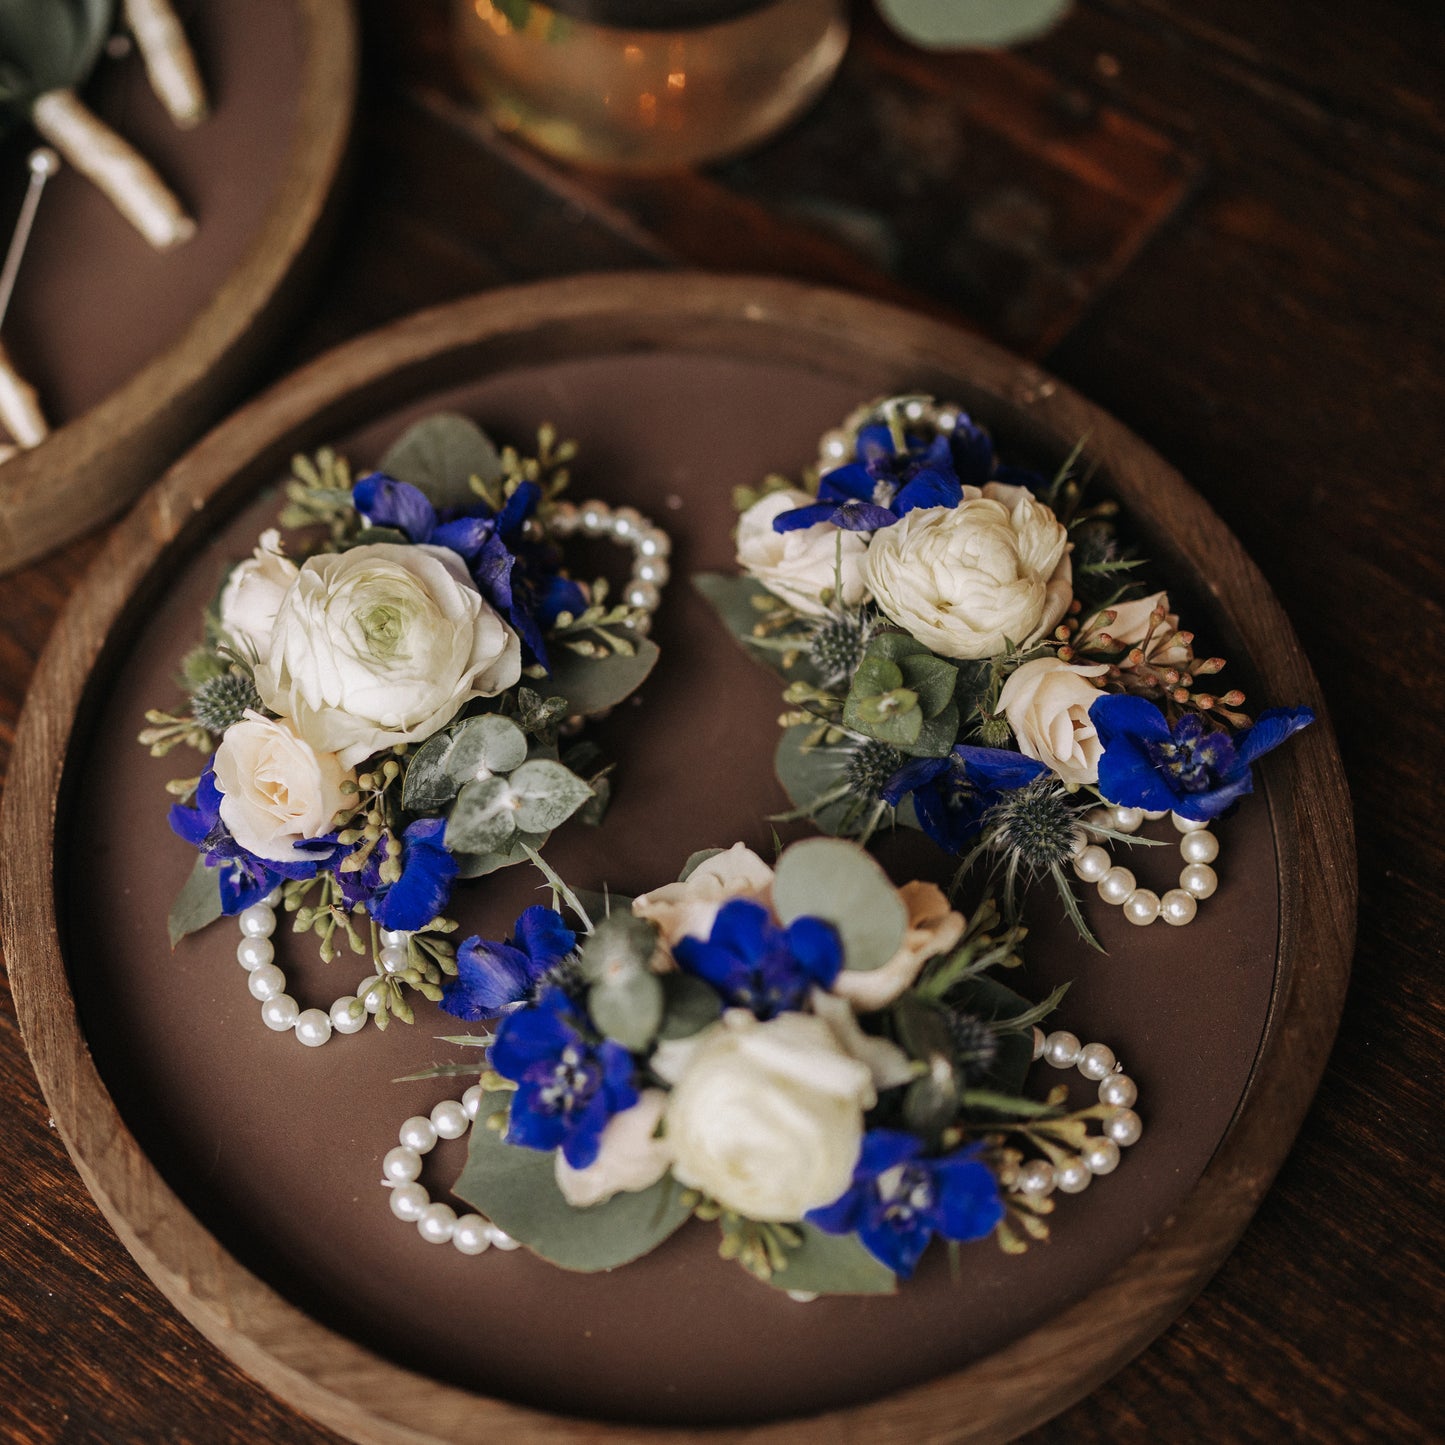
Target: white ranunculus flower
[(964, 580), (1133, 621), (1047, 705), (629, 1157), (382, 645), (277, 790), (252, 595), (687, 910), (800, 566), (933, 928), (765, 1117)]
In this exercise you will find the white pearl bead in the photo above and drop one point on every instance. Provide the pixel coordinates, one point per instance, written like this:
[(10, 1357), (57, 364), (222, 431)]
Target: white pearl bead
[(1188, 825), (408, 1201), (1199, 879), (401, 1165), (266, 981), (436, 1223), (372, 1000), (1037, 1178), (835, 446), (1178, 907), (1092, 863), (501, 1239), (595, 518), (627, 522), (1201, 847), (1124, 1127), (251, 953), (1072, 1176), (1078, 841), (1119, 1091), (1096, 1061), (342, 1018), (946, 420), (1127, 820), (273, 898), (1038, 1042), (394, 960), (470, 1235), (1153, 815), (258, 921), (639, 623), (280, 1012), (313, 1028), (914, 410), (450, 1119), (654, 544), (418, 1133), (393, 937), (1101, 1155), (802, 1296), (562, 520), (1061, 1049), (472, 1100), (1116, 886), (1142, 906), (642, 594), (652, 569)]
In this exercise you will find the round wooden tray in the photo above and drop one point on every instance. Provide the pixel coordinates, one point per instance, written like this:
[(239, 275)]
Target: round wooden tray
[(135, 351), (775, 354)]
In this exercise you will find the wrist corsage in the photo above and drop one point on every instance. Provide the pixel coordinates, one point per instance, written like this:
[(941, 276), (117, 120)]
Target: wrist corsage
[(968, 651), (387, 702)]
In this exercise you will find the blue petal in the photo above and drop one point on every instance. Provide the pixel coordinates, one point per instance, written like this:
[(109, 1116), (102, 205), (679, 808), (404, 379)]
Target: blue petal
[(544, 937), (1273, 726), (972, 450), (425, 885), (490, 977), (842, 1216), (998, 770), (970, 1206), (1128, 777), (875, 442), (928, 489), (533, 1128), (386, 502), (815, 944), (559, 595), (1116, 715), (802, 517), (520, 505), (910, 778), (851, 483), (741, 927), (465, 535)]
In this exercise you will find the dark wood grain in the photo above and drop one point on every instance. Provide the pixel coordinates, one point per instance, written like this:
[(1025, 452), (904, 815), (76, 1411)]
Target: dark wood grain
[(1283, 343)]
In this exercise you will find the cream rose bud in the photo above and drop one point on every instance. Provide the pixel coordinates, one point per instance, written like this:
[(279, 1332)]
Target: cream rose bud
[(1133, 622), (630, 1157), (765, 1117), (800, 566), (276, 789), (933, 928), (965, 580), (687, 909), (383, 645), (253, 593), (1047, 705)]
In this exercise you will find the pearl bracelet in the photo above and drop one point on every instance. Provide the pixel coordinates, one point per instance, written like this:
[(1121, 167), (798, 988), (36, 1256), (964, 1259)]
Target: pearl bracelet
[(437, 1223), (1093, 863), (650, 545), (1122, 1126)]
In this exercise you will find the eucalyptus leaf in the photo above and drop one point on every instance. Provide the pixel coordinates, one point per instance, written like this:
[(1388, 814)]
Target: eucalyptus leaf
[(833, 1264), (517, 1189), (545, 794), (933, 679), (837, 881), (441, 455), (594, 684), (963, 24), (47, 45), (472, 750), (689, 1006), (628, 1008), (808, 774), (483, 818), (478, 865), (892, 717), (198, 903)]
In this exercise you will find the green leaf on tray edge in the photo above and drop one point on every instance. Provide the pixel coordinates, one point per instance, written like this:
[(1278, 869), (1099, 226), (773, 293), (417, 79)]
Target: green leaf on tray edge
[(198, 903), (441, 455)]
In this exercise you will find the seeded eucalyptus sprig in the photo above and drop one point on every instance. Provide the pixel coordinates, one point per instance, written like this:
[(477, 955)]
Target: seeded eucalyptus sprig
[(319, 495)]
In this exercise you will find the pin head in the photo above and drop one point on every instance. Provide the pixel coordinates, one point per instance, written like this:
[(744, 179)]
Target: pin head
[(43, 161)]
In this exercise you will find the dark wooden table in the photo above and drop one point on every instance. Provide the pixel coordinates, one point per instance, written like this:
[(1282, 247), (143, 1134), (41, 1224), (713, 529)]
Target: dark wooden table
[(1223, 221)]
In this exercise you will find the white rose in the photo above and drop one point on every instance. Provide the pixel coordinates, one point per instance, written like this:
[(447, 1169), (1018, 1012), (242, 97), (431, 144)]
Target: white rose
[(252, 595), (933, 928), (629, 1156), (799, 566), (277, 790), (1047, 705), (1133, 622), (687, 909), (382, 645), (964, 580), (765, 1117)]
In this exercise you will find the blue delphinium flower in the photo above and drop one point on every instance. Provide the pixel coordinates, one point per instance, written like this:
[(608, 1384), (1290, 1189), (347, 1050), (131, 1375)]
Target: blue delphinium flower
[(951, 794), (755, 964), (900, 1199), (1187, 768), (425, 885), (568, 1084), (244, 878), (493, 977)]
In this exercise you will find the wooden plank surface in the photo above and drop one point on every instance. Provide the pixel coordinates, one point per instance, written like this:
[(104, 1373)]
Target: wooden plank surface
[(1282, 341)]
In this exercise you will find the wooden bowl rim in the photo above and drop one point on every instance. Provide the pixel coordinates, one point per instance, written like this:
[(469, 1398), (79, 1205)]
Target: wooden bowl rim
[(69, 483), (363, 1395)]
